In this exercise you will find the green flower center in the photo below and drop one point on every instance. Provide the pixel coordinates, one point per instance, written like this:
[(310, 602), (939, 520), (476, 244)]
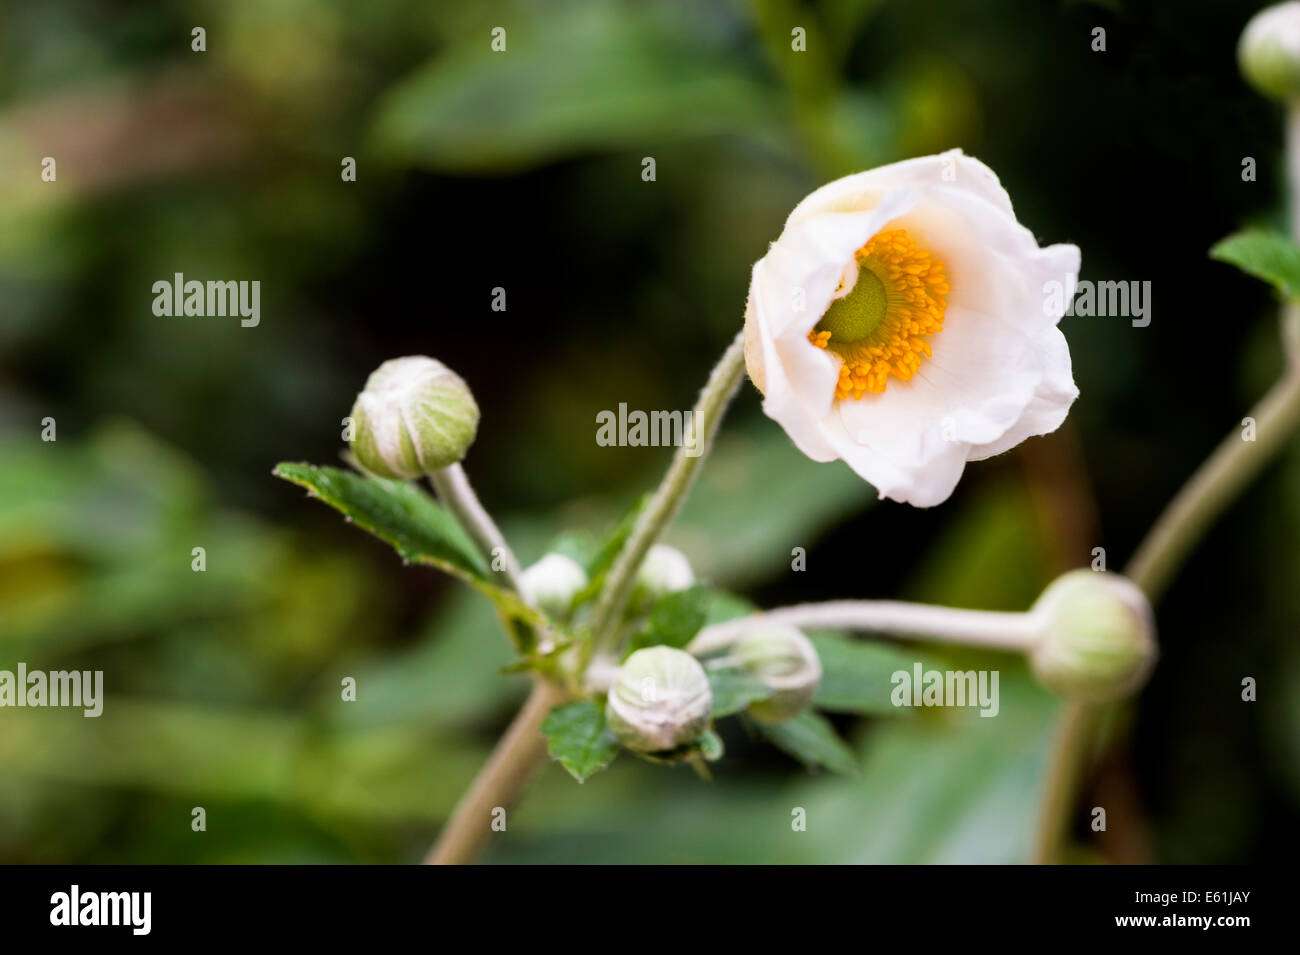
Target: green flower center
[(855, 316)]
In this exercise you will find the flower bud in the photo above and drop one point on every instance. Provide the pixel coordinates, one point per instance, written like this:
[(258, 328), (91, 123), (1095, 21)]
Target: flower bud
[(784, 659), (415, 416), (1269, 51), (660, 700), (552, 583), (1098, 636), (664, 570)]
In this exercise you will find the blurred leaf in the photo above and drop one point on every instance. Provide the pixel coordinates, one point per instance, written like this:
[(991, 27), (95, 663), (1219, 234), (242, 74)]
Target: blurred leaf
[(810, 738), (579, 548), (717, 529), (674, 619), (728, 606), (1270, 256), (223, 753), (990, 556), (953, 786), (733, 690), (578, 77), (577, 735), (857, 674), (844, 19), (450, 678)]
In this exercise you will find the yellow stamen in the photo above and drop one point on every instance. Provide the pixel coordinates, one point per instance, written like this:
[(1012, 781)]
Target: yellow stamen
[(915, 285)]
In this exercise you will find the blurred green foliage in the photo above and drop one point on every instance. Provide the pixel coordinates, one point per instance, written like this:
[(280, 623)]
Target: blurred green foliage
[(522, 170)]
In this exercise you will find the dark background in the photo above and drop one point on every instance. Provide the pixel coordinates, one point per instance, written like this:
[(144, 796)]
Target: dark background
[(523, 170)]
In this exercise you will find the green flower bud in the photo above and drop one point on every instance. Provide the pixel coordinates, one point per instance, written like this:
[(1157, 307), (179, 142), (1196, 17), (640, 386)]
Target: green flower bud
[(415, 416), (784, 659), (1269, 51), (1098, 636), (664, 570), (660, 700), (552, 583)]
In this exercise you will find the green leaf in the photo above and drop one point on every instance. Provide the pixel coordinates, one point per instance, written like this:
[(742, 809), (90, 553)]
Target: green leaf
[(726, 606), (1266, 255), (575, 78), (810, 738), (577, 735), (413, 524), (599, 565), (857, 674), (674, 619), (710, 746), (398, 513), (733, 690)]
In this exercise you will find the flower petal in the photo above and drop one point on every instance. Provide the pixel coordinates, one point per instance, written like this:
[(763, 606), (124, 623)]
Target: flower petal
[(952, 169)]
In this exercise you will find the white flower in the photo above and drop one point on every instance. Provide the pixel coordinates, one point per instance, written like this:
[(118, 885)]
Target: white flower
[(905, 322), (552, 583), (1269, 51), (664, 570)]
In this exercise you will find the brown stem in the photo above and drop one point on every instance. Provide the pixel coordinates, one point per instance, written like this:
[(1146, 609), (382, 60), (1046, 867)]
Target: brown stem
[(499, 783)]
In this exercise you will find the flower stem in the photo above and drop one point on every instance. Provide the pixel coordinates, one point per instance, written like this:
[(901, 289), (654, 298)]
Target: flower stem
[(667, 499), (1070, 758), (1168, 543), (983, 628), (456, 494), (1234, 463), (499, 783)]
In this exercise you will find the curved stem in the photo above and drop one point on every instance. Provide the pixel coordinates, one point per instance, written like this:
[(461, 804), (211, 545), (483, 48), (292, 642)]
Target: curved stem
[(1070, 755), (1214, 485), (456, 494), (499, 782), (1167, 544), (983, 628), (663, 506)]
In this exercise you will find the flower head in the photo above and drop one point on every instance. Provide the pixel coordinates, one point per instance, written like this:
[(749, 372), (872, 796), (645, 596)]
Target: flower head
[(1098, 636), (415, 416), (664, 571), (783, 658), (660, 700), (1269, 51), (905, 322), (552, 583)]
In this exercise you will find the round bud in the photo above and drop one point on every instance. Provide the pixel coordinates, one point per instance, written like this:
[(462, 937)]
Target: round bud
[(415, 416), (552, 583), (1098, 636), (664, 570), (784, 659), (660, 700), (1269, 51)]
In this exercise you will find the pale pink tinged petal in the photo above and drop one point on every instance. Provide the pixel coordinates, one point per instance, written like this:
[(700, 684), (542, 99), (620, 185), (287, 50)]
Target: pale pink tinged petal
[(858, 190), (782, 403), (977, 384), (1051, 402), (807, 262), (925, 484)]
